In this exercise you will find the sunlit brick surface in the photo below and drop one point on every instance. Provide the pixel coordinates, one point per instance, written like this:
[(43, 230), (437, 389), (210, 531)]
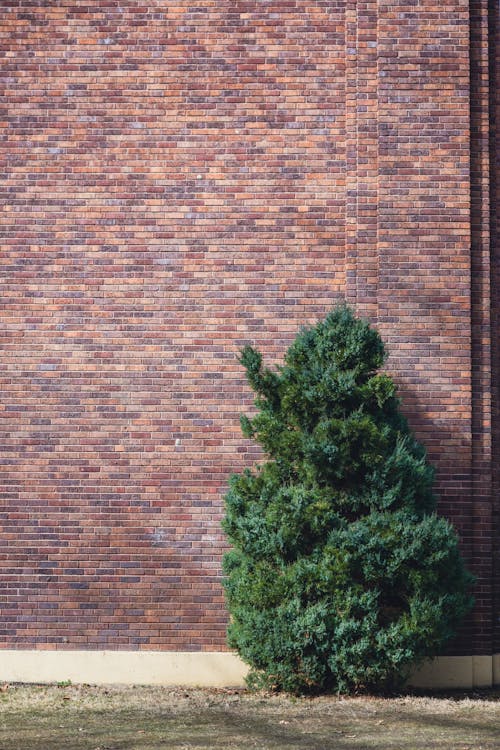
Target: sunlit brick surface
[(179, 180)]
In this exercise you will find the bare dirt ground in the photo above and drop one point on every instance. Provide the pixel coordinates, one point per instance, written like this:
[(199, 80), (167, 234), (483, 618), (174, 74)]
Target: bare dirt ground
[(68, 717)]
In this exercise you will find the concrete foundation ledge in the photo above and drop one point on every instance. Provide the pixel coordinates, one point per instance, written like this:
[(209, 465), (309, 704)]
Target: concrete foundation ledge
[(458, 672), (186, 668), (204, 669)]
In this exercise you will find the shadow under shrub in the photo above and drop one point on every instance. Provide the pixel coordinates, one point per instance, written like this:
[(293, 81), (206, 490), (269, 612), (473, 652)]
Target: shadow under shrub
[(341, 576)]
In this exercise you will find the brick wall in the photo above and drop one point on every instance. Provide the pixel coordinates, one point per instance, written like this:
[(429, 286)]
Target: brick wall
[(181, 179), (494, 70)]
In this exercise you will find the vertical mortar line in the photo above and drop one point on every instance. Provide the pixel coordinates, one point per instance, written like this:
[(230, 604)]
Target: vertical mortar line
[(383, 189), (481, 324), (374, 165), (357, 142), (494, 156), (367, 167), (377, 147), (351, 144)]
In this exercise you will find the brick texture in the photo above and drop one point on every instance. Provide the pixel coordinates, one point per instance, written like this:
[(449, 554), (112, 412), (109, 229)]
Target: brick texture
[(494, 102), (179, 180), (481, 328)]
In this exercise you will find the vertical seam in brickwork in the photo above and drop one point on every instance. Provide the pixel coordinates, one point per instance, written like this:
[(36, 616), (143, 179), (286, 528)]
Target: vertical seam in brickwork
[(494, 156), (377, 184), (367, 146), (351, 150), (362, 258), (481, 323)]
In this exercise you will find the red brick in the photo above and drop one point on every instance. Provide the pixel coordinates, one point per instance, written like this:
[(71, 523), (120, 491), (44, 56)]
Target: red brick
[(179, 180)]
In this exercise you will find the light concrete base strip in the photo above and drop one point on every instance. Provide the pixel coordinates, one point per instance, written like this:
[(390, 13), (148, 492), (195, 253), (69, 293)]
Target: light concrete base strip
[(189, 668), (204, 669), (496, 669), (457, 672)]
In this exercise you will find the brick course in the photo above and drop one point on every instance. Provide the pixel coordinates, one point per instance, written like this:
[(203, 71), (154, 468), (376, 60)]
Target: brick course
[(179, 180)]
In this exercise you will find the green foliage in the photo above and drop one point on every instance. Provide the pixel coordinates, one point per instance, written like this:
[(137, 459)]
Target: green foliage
[(341, 576)]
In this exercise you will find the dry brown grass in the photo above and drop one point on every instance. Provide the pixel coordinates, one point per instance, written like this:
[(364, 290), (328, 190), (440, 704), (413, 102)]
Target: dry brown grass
[(142, 718)]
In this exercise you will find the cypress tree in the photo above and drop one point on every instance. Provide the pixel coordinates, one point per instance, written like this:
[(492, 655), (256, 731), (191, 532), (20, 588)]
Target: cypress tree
[(341, 576)]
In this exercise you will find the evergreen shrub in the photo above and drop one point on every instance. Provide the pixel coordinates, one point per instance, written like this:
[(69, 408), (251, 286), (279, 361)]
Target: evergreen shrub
[(341, 577)]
